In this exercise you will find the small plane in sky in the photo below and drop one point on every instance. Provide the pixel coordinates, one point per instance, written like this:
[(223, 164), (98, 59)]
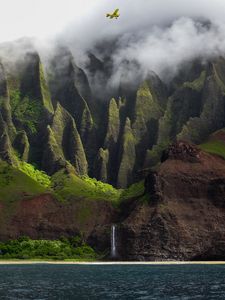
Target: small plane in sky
[(115, 14)]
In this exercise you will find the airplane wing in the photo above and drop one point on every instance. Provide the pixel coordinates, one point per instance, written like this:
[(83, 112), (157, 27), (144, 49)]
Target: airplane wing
[(116, 11)]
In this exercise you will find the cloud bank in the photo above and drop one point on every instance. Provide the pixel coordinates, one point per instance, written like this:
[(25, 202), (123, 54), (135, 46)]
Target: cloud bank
[(159, 35)]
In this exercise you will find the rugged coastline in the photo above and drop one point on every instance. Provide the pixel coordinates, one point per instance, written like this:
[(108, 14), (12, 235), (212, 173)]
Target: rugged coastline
[(73, 163), (179, 217)]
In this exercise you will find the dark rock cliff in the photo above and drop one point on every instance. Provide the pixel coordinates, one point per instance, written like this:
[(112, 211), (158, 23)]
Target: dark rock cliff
[(183, 216)]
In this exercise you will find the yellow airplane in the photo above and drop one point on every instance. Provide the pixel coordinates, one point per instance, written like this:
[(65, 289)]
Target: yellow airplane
[(115, 14)]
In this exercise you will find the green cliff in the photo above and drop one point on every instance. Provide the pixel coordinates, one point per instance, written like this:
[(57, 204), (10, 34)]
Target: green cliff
[(55, 117)]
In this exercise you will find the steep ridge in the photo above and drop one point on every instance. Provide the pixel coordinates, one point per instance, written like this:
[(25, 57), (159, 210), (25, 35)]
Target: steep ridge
[(182, 217), (51, 118), (64, 144)]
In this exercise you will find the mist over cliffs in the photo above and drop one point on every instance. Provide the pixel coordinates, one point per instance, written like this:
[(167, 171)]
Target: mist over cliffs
[(106, 98), (54, 118)]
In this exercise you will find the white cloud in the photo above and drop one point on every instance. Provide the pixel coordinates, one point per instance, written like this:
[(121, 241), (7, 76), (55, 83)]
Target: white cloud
[(163, 50), (138, 15), (159, 34), (42, 18)]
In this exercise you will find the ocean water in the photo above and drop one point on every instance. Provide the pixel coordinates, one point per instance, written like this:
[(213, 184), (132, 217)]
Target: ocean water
[(102, 282)]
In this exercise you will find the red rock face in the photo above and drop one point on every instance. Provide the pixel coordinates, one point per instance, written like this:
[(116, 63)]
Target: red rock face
[(182, 151), (185, 217), (46, 217)]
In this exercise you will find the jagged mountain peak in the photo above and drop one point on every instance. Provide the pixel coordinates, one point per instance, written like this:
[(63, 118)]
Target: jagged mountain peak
[(111, 139)]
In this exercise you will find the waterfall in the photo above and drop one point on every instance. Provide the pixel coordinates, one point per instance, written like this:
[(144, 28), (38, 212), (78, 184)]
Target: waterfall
[(113, 241)]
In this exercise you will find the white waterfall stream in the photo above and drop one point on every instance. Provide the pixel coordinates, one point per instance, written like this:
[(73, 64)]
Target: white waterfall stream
[(113, 241)]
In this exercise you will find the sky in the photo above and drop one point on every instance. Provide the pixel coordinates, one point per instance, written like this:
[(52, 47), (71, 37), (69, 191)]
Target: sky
[(158, 34), (39, 18), (44, 18)]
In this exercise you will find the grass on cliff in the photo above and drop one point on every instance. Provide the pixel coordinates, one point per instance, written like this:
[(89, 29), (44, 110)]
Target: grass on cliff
[(197, 84), (25, 181), (214, 147), (15, 184), (27, 111), (133, 191), (66, 186), (64, 248), (39, 176)]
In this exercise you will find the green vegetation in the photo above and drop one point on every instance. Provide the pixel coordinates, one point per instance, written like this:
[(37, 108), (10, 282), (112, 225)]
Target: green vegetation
[(44, 90), (73, 151), (25, 180), (39, 176), (133, 191), (2, 100), (65, 248), (214, 147), (147, 108), (15, 184), (218, 73), (67, 186), (25, 110), (102, 188), (113, 127), (101, 164), (128, 156), (198, 83)]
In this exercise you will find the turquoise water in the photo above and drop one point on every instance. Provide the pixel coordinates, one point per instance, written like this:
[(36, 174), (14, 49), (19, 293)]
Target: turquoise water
[(104, 282)]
